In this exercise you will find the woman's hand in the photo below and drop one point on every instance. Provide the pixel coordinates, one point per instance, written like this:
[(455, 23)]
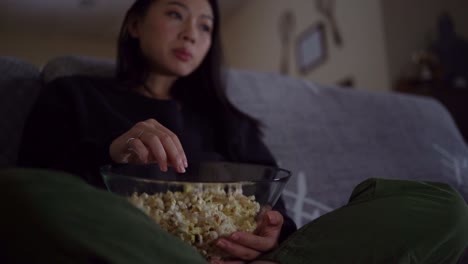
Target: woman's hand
[(149, 141), (247, 246)]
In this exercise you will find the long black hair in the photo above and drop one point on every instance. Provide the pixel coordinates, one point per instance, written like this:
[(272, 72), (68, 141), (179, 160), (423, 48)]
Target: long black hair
[(203, 90)]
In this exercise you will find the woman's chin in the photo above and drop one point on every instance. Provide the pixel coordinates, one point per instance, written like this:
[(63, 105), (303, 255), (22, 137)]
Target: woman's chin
[(175, 69), (183, 68), (182, 71)]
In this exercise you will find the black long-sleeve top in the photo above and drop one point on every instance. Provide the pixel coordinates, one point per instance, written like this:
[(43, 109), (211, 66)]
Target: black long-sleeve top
[(75, 119)]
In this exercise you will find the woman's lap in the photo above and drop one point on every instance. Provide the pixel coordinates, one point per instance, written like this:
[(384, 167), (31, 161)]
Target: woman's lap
[(386, 221)]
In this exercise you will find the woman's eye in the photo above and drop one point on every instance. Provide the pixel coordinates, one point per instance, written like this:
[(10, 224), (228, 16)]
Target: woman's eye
[(174, 14), (206, 28)]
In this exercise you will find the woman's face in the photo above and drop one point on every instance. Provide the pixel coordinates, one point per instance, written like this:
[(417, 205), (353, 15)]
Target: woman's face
[(175, 35)]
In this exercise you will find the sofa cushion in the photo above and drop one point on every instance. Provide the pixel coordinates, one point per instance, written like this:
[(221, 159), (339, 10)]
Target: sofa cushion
[(19, 86)]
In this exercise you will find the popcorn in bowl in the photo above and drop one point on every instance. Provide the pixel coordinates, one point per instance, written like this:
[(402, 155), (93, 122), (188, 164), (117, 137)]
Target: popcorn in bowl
[(210, 200), (201, 214)]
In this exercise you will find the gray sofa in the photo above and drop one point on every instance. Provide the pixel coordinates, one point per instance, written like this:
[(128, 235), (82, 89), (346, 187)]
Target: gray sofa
[(330, 138)]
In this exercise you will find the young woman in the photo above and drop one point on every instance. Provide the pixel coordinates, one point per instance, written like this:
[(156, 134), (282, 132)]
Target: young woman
[(168, 106)]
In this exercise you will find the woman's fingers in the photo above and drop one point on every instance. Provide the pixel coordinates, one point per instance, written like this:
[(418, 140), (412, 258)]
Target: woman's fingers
[(162, 147), (181, 151), (255, 242), (248, 246), (139, 154), (156, 148), (174, 156), (237, 250), (228, 262), (149, 141), (175, 140)]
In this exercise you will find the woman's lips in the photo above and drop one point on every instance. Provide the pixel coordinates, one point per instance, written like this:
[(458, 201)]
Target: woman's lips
[(183, 55)]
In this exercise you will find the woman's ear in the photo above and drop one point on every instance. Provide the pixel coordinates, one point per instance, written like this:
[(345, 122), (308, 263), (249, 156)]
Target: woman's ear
[(133, 27)]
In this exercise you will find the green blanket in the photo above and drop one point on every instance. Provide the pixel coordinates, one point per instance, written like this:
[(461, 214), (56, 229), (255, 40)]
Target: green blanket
[(53, 217)]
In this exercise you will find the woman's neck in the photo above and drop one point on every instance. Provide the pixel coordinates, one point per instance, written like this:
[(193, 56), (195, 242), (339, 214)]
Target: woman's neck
[(158, 87)]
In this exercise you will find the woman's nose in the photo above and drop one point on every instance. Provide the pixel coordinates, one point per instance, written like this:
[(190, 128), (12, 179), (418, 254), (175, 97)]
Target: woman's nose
[(189, 32), (188, 38)]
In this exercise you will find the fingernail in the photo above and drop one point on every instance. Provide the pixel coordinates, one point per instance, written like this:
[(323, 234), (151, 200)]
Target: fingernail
[(221, 244), (185, 163), (181, 169), (272, 219), (235, 237)]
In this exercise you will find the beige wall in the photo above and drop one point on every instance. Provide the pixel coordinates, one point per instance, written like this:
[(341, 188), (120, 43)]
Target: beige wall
[(251, 40), (411, 25), (39, 47), (379, 37)]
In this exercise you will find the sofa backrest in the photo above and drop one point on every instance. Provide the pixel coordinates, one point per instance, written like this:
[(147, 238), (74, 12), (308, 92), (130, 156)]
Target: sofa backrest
[(19, 86), (76, 65), (332, 138)]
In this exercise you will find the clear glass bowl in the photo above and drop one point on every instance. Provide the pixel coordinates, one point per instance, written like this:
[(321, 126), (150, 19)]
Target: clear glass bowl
[(265, 182), (210, 200)]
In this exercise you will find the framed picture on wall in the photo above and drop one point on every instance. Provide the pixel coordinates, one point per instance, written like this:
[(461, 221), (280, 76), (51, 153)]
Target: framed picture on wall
[(311, 48)]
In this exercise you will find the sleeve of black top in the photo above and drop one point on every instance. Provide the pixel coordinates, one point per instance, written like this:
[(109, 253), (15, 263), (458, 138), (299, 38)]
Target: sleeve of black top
[(52, 139), (254, 151)]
